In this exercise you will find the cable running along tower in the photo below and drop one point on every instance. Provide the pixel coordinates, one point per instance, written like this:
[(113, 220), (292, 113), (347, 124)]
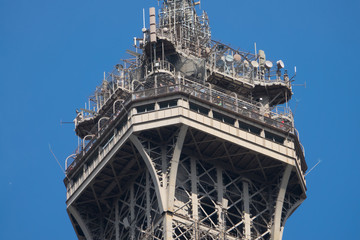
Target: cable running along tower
[(187, 139)]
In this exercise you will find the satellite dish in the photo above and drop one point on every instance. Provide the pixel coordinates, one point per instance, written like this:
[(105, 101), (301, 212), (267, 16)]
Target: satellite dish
[(246, 63), (280, 64), (254, 64), (229, 58), (268, 64), (237, 57)]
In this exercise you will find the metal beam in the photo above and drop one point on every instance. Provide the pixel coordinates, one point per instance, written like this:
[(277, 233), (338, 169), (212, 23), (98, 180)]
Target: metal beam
[(160, 195), (104, 161), (194, 196), (174, 164), (220, 200), (174, 167), (148, 206), (247, 220), (288, 214), (194, 191), (111, 186), (72, 210), (117, 221), (132, 213), (276, 231)]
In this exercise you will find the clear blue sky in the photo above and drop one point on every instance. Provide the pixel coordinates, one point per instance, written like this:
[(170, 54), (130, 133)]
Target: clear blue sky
[(54, 53)]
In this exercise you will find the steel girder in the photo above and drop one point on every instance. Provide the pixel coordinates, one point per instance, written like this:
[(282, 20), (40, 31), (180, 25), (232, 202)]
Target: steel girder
[(178, 183)]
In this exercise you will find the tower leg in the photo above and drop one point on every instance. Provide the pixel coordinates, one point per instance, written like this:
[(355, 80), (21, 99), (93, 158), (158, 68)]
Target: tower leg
[(247, 227), (276, 231), (72, 210)]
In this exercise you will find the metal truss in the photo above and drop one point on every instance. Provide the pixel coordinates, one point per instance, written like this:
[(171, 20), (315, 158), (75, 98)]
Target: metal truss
[(134, 215), (177, 194), (186, 141)]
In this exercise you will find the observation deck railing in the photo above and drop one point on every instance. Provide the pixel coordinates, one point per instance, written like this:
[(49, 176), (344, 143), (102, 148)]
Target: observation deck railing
[(159, 66), (199, 91), (222, 60)]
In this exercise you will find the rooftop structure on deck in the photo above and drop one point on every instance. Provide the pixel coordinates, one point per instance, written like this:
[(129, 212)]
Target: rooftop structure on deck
[(188, 139)]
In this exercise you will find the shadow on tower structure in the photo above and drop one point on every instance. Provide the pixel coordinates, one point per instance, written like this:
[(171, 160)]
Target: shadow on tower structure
[(187, 139)]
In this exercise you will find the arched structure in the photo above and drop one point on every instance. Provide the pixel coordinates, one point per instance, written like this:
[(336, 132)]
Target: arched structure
[(187, 142)]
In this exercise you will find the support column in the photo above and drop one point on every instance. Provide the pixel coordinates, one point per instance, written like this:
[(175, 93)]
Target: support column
[(163, 167), (194, 196), (220, 191), (117, 221), (246, 216), (174, 164), (132, 213), (168, 226), (148, 161), (148, 204), (72, 210), (289, 212), (276, 228), (174, 167)]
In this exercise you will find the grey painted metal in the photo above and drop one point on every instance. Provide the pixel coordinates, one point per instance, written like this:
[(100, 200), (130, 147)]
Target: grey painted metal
[(289, 212), (132, 212), (276, 232), (72, 210), (163, 156), (117, 222), (247, 220), (174, 168), (159, 192), (198, 148)]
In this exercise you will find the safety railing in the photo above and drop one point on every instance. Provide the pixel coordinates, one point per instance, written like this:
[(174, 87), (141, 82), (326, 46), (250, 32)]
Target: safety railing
[(196, 90), (239, 65), (158, 66), (97, 131)]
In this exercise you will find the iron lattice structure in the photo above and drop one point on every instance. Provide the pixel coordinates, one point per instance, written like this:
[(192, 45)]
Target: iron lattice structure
[(189, 139)]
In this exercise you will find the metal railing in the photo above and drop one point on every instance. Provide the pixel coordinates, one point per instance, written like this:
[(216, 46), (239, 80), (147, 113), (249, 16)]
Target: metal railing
[(280, 117), (158, 66)]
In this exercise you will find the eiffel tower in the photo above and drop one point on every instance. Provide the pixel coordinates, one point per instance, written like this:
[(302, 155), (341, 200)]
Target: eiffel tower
[(188, 138)]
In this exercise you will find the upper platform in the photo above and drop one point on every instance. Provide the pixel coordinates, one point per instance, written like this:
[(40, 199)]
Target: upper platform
[(177, 54)]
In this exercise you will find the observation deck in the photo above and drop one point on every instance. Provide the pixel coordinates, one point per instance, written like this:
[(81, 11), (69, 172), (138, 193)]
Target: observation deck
[(189, 139), (129, 104)]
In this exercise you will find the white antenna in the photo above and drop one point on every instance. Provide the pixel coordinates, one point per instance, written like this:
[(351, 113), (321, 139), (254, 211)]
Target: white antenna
[(144, 17), (313, 168), (104, 76), (295, 70), (255, 49), (57, 161)]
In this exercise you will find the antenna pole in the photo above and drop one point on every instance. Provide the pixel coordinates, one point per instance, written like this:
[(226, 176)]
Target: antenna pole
[(313, 168), (255, 50), (62, 169), (144, 17)]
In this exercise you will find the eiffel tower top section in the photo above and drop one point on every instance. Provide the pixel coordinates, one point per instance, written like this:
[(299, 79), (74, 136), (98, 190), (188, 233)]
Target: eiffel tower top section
[(188, 138), (176, 52)]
